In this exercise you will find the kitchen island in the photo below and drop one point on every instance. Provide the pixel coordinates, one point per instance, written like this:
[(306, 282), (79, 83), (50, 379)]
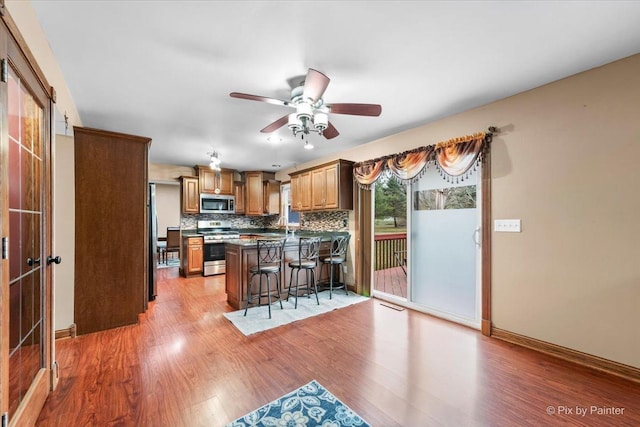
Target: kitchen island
[(240, 255)]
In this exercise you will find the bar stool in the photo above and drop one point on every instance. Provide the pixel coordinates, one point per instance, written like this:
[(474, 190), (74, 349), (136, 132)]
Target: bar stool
[(270, 253), (337, 257), (308, 254)]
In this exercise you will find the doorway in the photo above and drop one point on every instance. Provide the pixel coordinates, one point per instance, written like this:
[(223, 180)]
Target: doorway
[(426, 251), (27, 329), (390, 239), (438, 230)]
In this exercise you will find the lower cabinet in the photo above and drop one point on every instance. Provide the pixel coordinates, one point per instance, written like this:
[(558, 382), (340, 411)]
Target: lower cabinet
[(192, 256)]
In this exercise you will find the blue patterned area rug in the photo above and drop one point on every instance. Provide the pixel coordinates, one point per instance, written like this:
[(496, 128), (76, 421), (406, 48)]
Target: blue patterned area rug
[(310, 405)]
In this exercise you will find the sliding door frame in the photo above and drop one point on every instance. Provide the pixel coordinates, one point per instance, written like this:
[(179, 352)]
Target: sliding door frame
[(364, 232)]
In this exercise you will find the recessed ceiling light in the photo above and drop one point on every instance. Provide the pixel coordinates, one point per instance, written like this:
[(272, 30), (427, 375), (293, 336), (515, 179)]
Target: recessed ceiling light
[(274, 139)]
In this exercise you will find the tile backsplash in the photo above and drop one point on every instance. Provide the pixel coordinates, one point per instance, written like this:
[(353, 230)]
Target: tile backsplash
[(311, 221), (325, 221)]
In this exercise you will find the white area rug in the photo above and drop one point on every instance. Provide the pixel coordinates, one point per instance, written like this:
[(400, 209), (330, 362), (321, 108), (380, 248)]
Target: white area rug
[(257, 318)]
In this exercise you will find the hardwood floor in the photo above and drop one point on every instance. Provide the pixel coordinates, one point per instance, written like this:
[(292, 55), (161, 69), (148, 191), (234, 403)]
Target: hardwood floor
[(184, 364)]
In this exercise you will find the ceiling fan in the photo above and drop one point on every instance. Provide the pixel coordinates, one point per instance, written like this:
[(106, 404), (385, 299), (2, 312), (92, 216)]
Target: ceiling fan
[(312, 114)]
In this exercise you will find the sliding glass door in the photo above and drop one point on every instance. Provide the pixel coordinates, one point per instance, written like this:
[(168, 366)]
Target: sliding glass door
[(438, 260), (445, 247)]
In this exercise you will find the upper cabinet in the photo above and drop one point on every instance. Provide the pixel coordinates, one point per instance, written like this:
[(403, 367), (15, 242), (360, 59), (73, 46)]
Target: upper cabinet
[(190, 194), (215, 182), (239, 192), (325, 187), (300, 191), (262, 193)]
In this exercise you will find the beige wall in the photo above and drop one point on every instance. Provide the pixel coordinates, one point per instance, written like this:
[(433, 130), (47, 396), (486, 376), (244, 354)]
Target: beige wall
[(167, 207), (63, 231), (565, 163)]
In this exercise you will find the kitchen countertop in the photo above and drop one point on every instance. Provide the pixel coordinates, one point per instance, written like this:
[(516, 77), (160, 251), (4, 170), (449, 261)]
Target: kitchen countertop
[(191, 233), (291, 240), (267, 233)]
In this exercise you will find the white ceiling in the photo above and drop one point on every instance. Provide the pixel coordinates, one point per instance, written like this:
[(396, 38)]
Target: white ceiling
[(164, 69)]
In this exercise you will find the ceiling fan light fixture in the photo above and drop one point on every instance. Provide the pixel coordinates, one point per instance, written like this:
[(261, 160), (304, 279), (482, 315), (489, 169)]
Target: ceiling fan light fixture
[(321, 121), (312, 114), (294, 123), (304, 111)]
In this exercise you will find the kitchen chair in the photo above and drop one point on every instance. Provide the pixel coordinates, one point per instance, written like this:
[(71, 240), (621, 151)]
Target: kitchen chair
[(337, 257), (173, 241), (270, 253), (308, 254), (161, 246)]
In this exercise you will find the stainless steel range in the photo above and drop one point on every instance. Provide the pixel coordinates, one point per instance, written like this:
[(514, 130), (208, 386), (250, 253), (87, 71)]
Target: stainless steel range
[(215, 234)]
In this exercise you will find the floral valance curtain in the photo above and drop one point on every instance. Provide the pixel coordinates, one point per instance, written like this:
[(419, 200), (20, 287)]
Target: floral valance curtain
[(454, 159)]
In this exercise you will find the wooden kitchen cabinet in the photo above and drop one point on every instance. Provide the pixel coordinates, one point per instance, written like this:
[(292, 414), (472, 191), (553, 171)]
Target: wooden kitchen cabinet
[(301, 192), (192, 256), (271, 196), (111, 284), (325, 187), (190, 194), (239, 192), (214, 182), (262, 193)]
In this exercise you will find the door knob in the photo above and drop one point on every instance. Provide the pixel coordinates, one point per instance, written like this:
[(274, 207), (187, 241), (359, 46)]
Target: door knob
[(51, 259), (31, 261), (476, 237)]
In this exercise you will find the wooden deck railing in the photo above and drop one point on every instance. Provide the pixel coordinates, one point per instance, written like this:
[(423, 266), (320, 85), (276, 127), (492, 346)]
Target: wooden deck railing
[(386, 247)]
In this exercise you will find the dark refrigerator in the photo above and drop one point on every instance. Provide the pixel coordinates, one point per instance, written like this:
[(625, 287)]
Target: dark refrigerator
[(153, 241)]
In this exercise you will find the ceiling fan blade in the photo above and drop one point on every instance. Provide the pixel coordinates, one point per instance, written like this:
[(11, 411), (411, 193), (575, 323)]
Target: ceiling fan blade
[(330, 132), (314, 85), (356, 109), (259, 98), (276, 125)]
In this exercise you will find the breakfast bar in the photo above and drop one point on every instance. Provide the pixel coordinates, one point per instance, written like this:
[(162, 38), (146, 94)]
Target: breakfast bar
[(240, 255)]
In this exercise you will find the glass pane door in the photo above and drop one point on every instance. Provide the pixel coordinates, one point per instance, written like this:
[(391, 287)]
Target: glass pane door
[(445, 247), (26, 249), (390, 239)]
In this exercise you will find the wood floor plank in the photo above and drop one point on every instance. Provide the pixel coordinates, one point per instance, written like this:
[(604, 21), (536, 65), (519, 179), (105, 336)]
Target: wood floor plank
[(185, 364), (391, 281)]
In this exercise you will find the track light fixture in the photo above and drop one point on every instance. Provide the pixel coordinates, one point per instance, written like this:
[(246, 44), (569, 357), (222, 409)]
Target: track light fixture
[(214, 160)]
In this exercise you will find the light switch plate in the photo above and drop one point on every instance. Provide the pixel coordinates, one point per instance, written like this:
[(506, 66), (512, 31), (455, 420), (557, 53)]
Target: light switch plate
[(506, 225)]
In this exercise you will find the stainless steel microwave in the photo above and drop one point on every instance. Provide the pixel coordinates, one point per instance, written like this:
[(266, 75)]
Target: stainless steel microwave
[(217, 203)]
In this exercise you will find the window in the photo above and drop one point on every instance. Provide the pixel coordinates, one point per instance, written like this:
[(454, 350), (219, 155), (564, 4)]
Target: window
[(287, 216)]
